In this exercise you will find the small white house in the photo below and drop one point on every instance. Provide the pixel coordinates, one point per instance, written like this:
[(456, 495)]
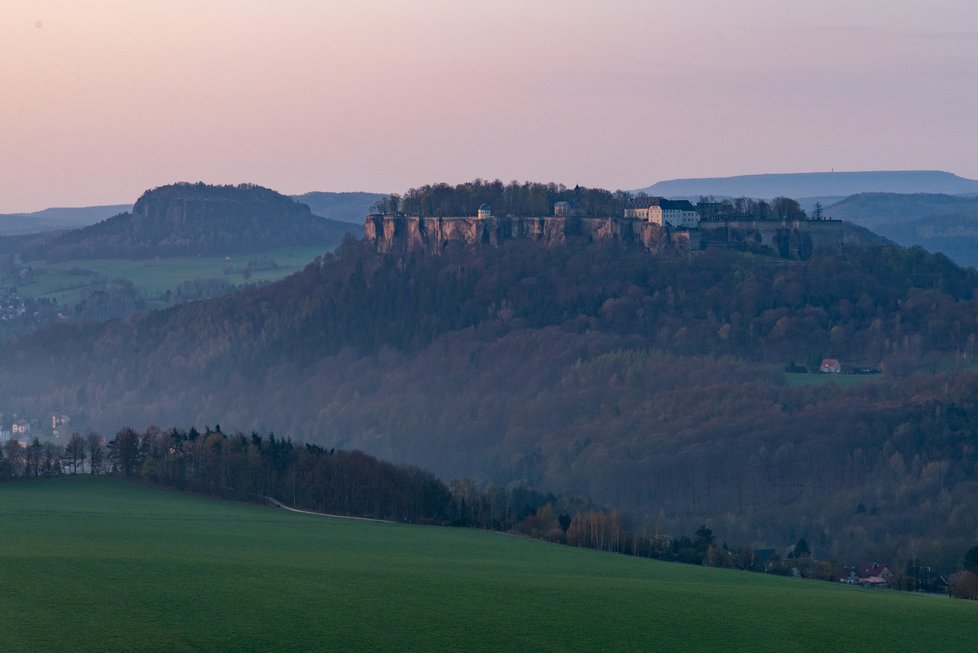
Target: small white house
[(485, 211)]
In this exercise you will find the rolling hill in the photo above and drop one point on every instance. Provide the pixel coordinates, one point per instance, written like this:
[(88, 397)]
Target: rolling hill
[(817, 184), (345, 207), (939, 223), (55, 219), (652, 384), (156, 570)]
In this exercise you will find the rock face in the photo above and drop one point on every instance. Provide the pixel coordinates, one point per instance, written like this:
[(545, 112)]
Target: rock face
[(786, 238), (191, 212), (432, 234)]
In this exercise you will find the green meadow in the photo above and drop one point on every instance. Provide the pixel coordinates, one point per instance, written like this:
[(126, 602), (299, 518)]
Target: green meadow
[(103, 564), (842, 380), (68, 282)]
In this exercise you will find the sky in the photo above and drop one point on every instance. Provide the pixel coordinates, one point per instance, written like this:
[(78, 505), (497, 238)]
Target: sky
[(100, 100)]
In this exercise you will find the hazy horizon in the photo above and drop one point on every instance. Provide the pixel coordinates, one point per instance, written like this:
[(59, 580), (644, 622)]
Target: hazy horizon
[(110, 98)]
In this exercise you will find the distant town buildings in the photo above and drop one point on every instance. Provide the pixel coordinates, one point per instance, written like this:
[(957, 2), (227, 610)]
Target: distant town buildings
[(59, 424), (24, 429)]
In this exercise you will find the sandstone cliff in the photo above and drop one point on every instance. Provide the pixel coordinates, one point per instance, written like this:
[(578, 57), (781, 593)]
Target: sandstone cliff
[(432, 234)]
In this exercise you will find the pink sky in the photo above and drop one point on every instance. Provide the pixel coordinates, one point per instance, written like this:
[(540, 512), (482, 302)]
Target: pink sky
[(100, 100)]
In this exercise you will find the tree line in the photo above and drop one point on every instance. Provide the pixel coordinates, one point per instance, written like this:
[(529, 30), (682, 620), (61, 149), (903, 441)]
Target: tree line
[(538, 199), (516, 199), (747, 208), (351, 483)]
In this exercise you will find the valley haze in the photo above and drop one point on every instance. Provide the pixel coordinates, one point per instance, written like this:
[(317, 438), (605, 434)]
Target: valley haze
[(303, 305)]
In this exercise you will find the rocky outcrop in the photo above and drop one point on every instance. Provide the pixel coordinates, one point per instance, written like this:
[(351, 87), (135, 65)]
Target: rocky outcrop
[(793, 239), (433, 234)]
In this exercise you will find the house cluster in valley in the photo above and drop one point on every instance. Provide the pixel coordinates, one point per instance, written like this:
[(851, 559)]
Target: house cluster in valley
[(23, 430)]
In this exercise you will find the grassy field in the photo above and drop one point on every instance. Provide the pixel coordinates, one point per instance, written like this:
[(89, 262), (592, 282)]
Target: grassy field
[(841, 380), (69, 282), (101, 564)]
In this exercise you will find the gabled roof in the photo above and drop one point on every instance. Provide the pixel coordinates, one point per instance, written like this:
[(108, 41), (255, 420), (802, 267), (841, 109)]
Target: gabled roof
[(643, 202), (871, 569), (676, 205)]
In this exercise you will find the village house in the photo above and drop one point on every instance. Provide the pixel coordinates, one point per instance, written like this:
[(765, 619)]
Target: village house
[(873, 574), (830, 366)]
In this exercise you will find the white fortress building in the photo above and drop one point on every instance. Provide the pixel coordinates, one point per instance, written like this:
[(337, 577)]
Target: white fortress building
[(679, 214)]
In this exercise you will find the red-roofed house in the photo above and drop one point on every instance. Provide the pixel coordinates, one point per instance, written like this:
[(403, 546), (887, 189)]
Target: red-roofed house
[(830, 366), (873, 574)]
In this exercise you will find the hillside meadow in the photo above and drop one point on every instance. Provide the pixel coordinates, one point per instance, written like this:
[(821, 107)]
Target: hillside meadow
[(103, 564), (68, 282)]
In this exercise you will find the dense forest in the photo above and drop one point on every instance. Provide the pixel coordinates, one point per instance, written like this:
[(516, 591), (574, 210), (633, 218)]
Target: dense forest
[(190, 220), (650, 383)]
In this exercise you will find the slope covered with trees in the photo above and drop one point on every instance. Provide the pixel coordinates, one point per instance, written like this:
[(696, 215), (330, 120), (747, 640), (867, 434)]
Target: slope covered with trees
[(651, 384), (940, 223)]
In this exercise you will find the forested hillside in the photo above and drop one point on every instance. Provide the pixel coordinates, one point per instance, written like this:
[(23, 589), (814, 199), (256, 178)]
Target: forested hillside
[(190, 220), (939, 223), (652, 384)]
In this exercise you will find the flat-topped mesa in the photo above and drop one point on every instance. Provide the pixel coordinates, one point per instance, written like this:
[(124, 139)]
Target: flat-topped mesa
[(388, 233)]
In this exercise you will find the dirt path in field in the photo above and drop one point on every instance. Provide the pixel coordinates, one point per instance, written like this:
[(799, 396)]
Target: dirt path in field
[(279, 504)]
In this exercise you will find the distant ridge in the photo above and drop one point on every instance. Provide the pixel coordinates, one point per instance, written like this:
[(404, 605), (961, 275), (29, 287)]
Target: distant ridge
[(57, 218), (818, 184), (345, 207), (939, 223)]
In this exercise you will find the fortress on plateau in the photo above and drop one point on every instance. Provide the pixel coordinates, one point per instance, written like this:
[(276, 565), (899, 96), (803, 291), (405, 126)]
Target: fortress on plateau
[(656, 223)]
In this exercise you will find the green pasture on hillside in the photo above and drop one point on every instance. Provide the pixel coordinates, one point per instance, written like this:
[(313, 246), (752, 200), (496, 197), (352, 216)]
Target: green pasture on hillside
[(841, 380), (103, 564), (68, 282)]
